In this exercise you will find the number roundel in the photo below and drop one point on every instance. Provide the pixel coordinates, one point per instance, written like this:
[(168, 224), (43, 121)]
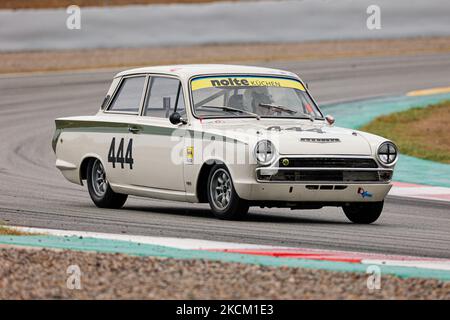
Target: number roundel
[(117, 157)]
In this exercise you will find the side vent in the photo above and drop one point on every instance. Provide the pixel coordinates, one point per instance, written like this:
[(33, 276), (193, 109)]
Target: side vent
[(105, 102)]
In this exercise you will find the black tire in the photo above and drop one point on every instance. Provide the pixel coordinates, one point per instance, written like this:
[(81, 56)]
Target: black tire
[(363, 213), (103, 197), (234, 208)]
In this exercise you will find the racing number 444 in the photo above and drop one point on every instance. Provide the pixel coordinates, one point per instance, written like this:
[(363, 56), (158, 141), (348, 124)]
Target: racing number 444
[(118, 157)]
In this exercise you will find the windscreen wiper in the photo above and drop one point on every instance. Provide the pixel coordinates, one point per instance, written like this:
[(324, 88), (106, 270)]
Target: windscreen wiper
[(231, 109), (281, 108), (287, 110)]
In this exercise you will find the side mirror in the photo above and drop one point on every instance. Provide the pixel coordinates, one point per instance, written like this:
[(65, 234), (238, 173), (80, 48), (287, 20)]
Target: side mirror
[(175, 118), (330, 119)]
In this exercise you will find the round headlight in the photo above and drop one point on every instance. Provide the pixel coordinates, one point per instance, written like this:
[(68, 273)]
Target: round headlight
[(387, 153), (264, 152)]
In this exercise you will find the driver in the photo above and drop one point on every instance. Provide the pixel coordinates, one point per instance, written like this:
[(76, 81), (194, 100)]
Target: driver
[(255, 96)]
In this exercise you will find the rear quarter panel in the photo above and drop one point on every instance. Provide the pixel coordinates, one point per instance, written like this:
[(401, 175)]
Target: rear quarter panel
[(81, 137)]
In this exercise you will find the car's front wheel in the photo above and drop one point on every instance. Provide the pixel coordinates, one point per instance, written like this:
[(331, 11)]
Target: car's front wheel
[(99, 189), (223, 199), (363, 213)]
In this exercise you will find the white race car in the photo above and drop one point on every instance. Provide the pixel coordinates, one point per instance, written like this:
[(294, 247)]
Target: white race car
[(233, 136)]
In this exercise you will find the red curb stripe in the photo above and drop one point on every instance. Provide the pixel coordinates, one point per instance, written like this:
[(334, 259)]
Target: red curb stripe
[(324, 255), (297, 255)]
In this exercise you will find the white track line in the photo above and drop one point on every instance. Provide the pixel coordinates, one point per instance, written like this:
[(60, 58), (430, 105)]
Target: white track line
[(435, 265), (179, 243)]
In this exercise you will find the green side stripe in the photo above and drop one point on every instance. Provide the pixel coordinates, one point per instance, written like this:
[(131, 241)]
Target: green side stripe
[(137, 249), (113, 127), (121, 127)]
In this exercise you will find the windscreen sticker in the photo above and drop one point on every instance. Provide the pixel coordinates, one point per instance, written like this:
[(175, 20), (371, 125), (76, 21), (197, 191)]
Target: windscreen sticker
[(217, 82)]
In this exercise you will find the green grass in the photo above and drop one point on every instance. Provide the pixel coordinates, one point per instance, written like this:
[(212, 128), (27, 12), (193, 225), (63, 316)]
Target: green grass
[(419, 132)]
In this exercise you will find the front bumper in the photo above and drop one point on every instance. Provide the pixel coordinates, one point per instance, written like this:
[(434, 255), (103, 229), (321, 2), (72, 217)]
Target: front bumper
[(313, 192), (332, 179)]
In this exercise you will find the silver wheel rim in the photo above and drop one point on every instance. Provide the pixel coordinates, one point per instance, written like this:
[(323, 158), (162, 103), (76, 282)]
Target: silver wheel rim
[(221, 189), (98, 177)]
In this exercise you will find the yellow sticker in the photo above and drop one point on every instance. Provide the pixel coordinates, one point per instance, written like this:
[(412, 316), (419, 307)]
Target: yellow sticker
[(190, 154), (217, 82)]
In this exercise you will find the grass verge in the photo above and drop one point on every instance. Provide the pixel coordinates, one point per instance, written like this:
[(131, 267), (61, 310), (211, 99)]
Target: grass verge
[(419, 132)]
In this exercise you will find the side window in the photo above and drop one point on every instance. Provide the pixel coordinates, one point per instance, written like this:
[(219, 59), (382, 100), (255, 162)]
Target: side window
[(164, 95), (128, 97)]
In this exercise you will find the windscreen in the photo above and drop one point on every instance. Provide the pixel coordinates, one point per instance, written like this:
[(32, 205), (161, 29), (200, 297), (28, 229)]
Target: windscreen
[(244, 96)]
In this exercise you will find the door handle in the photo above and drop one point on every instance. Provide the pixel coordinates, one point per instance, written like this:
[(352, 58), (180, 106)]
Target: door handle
[(134, 130)]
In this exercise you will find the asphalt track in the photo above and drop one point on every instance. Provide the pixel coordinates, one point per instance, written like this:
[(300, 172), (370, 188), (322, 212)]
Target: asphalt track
[(33, 192)]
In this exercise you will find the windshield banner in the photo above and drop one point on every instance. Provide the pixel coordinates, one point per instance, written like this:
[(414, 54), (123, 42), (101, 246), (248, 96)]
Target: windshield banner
[(243, 81)]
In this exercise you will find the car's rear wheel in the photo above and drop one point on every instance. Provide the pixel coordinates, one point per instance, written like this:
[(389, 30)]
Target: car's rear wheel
[(363, 213), (99, 189), (222, 197)]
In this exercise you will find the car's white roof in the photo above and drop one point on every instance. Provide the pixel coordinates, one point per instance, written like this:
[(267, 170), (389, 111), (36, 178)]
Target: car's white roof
[(189, 70)]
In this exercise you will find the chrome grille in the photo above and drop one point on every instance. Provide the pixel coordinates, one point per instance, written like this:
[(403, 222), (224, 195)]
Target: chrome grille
[(324, 169), (321, 175), (328, 162)]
